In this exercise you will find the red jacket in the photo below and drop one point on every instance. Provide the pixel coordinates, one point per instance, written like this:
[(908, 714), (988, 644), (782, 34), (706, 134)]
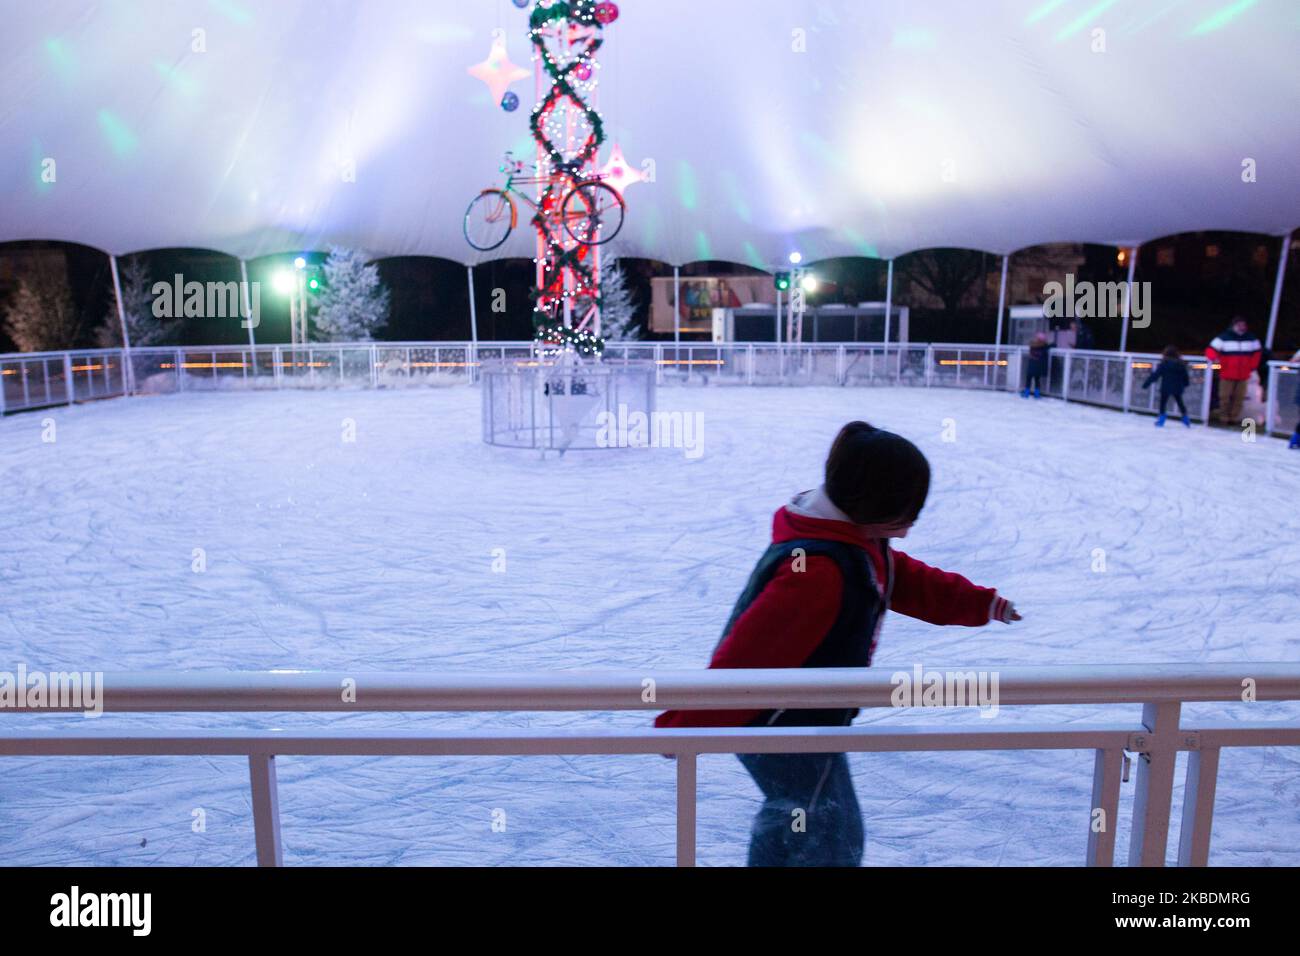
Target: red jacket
[(1237, 354), (791, 616)]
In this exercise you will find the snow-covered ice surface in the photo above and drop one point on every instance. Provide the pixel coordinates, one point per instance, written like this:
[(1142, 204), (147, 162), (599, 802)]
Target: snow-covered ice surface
[(377, 555)]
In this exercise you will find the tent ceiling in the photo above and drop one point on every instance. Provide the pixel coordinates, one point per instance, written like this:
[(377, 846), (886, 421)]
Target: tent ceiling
[(904, 125)]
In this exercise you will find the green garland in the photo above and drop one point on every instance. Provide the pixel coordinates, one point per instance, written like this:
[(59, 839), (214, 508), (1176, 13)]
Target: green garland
[(551, 334)]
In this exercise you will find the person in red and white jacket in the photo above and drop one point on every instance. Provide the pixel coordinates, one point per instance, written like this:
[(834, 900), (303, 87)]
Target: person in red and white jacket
[(1238, 354), (817, 598)]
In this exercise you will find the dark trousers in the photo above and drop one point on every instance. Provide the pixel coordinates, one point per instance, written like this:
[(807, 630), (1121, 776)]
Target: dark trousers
[(828, 831), (1178, 400)]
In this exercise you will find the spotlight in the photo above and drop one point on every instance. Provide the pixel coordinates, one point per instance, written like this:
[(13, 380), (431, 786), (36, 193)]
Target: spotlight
[(781, 281), (809, 283), (283, 282), (795, 258), (300, 263)]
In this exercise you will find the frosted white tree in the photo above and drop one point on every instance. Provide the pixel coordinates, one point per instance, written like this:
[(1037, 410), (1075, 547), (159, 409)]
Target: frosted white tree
[(41, 316), (617, 304), (353, 304), (137, 302)]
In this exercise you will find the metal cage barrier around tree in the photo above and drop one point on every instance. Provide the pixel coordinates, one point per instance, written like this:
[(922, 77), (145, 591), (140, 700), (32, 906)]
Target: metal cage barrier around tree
[(1155, 738)]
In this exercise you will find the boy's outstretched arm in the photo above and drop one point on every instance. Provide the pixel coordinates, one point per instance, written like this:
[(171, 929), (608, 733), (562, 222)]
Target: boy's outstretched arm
[(943, 597)]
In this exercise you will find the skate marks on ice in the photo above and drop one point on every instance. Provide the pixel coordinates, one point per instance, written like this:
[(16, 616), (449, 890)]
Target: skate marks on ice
[(378, 555)]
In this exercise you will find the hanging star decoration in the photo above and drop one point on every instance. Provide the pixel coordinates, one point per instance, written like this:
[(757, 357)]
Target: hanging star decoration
[(498, 72), (618, 172)]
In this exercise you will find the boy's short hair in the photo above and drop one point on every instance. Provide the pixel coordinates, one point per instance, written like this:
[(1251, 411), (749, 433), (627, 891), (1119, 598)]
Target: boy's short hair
[(875, 476)]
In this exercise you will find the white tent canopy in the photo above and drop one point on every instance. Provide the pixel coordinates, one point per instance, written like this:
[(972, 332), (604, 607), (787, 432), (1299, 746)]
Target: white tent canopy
[(838, 127)]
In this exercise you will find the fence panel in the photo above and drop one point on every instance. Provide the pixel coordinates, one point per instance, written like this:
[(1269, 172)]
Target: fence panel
[(1109, 379), (1283, 398)]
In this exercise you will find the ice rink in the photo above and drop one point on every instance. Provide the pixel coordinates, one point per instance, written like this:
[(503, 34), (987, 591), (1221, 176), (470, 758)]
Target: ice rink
[(377, 554)]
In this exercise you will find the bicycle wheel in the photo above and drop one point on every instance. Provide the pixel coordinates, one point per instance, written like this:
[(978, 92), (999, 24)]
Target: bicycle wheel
[(593, 212), (489, 219)]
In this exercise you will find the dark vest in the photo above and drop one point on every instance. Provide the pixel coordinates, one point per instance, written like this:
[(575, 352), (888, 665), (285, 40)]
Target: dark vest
[(848, 642)]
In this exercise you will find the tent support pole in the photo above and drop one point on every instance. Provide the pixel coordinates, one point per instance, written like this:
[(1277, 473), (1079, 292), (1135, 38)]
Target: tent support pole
[(677, 307), (245, 294), (126, 335), (1277, 291), (889, 304), (473, 324), (1128, 298), (1002, 301)]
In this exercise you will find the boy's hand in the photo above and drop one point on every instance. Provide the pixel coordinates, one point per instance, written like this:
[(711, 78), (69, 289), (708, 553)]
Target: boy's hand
[(1003, 610)]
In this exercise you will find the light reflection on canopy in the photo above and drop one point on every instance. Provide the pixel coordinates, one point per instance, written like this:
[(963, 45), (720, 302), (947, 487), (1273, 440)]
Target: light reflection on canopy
[(119, 136), (1223, 17)]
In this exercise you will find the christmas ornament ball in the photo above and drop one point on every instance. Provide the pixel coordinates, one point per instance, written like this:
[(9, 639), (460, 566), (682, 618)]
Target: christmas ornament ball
[(606, 13), (510, 102)]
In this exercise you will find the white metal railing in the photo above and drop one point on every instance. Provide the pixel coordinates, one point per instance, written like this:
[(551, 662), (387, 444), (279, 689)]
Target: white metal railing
[(1110, 379), (1157, 738), (1282, 405)]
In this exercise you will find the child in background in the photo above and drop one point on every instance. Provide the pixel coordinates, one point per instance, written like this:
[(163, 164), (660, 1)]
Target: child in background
[(1036, 369), (816, 599), (1172, 375)]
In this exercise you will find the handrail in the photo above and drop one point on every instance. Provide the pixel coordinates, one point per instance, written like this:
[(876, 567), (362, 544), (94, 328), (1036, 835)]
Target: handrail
[(650, 689), (1157, 739)]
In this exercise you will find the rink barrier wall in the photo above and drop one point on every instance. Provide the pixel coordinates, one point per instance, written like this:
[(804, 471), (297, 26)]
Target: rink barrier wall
[(1155, 739), (1108, 379)]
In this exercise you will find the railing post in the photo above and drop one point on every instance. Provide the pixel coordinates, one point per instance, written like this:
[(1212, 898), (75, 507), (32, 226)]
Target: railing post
[(929, 365), (1103, 816), (1198, 807), (278, 358), (839, 365), (1128, 380), (1269, 417), (1158, 750), (180, 371), (1065, 376), (266, 809), (374, 366), (749, 371), (686, 797), (1207, 390)]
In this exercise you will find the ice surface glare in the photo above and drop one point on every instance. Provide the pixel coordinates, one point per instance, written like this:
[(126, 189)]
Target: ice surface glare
[(377, 555)]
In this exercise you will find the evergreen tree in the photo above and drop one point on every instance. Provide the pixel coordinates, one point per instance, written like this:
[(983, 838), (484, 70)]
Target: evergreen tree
[(617, 304), (352, 304), (137, 302), (41, 316)]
